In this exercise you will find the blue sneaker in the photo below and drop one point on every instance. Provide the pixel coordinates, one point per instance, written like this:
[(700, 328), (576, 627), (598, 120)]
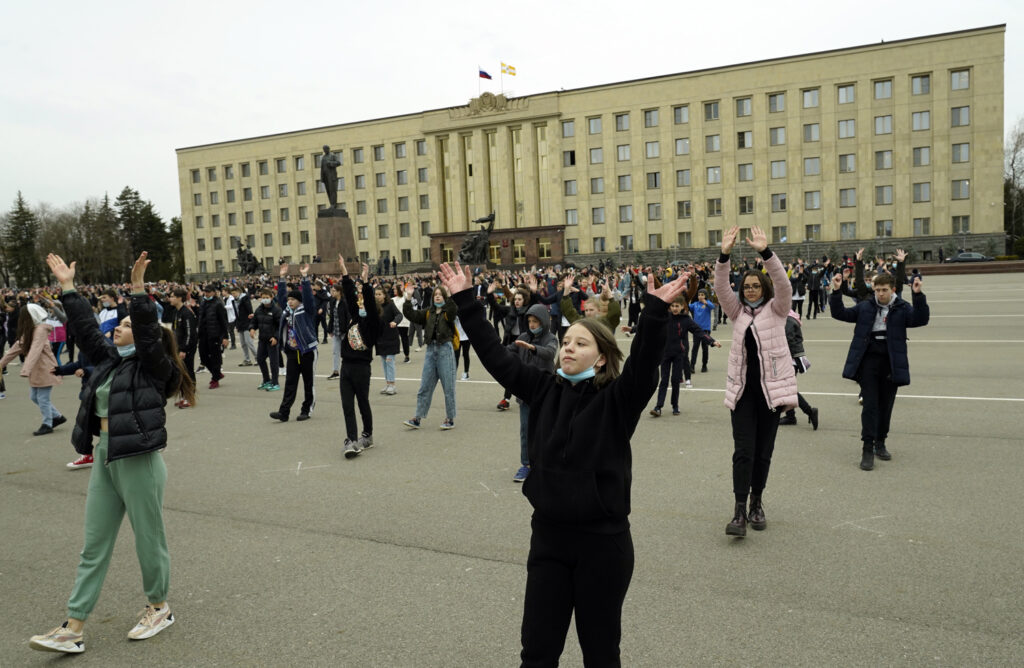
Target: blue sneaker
[(263, 386), (273, 387), (447, 424), (521, 474), (414, 423)]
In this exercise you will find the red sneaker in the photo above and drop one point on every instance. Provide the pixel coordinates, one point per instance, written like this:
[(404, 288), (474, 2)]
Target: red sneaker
[(214, 385), (178, 402), (503, 405), (83, 462), (184, 404)]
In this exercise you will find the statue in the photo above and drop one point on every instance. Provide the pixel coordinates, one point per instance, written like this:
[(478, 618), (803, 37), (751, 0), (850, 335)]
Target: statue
[(247, 262), (329, 175), (474, 246)]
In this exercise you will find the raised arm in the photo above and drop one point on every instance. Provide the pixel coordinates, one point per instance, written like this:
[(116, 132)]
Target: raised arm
[(81, 318)]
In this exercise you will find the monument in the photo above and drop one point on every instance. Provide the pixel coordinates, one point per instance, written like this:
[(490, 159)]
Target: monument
[(247, 262), (334, 234), (475, 246)]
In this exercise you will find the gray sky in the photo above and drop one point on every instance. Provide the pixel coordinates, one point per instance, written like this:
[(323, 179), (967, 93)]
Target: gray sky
[(93, 98)]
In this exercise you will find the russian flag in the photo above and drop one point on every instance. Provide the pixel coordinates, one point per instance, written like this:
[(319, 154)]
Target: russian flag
[(484, 75)]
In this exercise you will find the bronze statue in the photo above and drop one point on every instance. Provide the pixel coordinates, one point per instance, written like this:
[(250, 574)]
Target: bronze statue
[(247, 262), (329, 175), (474, 246)]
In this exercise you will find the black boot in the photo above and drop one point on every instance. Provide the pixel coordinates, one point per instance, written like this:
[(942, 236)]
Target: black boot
[(738, 526), (788, 418), (756, 514), (867, 459), (813, 417), (881, 452)]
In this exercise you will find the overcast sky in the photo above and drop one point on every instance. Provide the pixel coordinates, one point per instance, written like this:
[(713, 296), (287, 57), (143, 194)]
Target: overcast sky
[(98, 95)]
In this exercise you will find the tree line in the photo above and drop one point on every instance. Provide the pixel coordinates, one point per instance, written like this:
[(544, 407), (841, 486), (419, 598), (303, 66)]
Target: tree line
[(104, 236)]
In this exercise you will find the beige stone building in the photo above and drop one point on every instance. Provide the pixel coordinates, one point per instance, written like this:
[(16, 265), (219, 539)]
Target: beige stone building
[(898, 143)]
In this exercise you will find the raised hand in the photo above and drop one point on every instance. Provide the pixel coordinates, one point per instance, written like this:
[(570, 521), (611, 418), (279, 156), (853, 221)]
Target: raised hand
[(64, 274), (860, 254), (757, 240), (283, 270), (916, 285), (341, 263), (304, 270), (567, 285), (901, 255), (729, 239), (668, 291), (139, 272), (531, 282), (837, 281), (365, 274), (455, 280)]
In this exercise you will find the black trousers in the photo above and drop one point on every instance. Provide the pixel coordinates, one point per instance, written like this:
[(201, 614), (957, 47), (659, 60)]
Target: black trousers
[(754, 426), (464, 351), (355, 387), (403, 336), (190, 364), (814, 306), (264, 353), (211, 355), (298, 364), (699, 342), (321, 321), (804, 406), (569, 571), (879, 394), (798, 306), (671, 368)]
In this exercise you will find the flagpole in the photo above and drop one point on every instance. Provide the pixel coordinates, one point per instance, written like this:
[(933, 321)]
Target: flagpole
[(502, 78), (478, 77)]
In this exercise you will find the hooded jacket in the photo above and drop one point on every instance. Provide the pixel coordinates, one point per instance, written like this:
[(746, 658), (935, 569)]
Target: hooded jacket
[(39, 359), (302, 320), (901, 316), (369, 325), (545, 344)]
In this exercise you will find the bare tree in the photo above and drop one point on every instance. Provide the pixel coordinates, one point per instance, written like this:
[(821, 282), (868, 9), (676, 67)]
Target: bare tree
[(1013, 182)]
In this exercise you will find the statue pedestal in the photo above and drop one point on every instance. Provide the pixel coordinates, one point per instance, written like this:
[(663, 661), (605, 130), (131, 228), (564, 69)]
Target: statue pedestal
[(334, 236)]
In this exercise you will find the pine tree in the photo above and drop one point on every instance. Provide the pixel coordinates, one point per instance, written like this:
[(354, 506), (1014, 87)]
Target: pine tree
[(20, 237)]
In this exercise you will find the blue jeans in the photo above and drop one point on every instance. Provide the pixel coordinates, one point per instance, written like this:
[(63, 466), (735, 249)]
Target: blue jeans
[(524, 423), (439, 364), (388, 361), (41, 397), (336, 345)]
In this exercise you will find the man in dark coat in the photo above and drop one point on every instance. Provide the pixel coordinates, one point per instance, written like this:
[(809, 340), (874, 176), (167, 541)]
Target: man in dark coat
[(213, 334)]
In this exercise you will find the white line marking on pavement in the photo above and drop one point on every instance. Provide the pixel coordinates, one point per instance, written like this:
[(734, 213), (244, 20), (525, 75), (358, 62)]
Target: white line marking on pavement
[(853, 523), (489, 489)]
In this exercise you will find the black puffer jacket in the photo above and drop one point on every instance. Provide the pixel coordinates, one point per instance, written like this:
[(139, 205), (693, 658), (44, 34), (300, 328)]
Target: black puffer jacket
[(388, 342), (141, 382)]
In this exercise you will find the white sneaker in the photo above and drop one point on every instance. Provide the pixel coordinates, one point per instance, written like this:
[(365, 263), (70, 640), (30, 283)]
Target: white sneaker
[(390, 389), (61, 639), (465, 376), (153, 622), (689, 385)]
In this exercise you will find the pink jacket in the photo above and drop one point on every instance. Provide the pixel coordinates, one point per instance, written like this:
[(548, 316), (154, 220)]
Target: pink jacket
[(778, 379), (39, 361)]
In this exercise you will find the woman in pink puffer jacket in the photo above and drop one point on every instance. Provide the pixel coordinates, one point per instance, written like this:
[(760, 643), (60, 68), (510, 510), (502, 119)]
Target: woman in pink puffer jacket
[(760, 383)]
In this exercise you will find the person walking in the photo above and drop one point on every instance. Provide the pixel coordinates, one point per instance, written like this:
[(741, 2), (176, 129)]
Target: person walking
[(243, 315), (186, 336), (265, 327), (298, 337), (580, 425), (398, 299), (336, 315), (760, 379), (33, 341), (438, 322), (878, 358), (213, 334), (124, 403), (674, 362), (360, 330), (387, 344)]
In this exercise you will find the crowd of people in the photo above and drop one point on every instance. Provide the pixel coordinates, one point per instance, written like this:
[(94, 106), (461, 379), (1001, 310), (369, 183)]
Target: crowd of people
[(547, 336)]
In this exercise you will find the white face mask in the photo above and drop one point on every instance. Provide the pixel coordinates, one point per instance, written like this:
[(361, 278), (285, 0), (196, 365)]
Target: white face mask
[(265, 301)]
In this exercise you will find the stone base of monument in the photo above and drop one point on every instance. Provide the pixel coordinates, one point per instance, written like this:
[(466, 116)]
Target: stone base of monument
[(334, 237)]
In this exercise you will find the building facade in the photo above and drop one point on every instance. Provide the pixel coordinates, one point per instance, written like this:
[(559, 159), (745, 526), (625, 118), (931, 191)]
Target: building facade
[(897, 143)]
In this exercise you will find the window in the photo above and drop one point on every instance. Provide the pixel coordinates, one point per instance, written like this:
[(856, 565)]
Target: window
[(421, 175), (778, 169), (596, 185), (281, 165), (654, 211), (812, 200), (403, 230), (651, 118), (685, 239), (625, 182), (195, 176), (922, 226), (425, 254), (597, 215), (403, 203), (400, 150), (622, 152), (652, 149), (621, 122), (684, 209), (341, 184), (382, 232), (282, 190), (626, 242), (653, 180), (920, 84), (921, 120), (572, 246), (286, 238), (421, 147), (776, 102), (568, 158), (883, 125), (360, 181), (598, 244), (596, 156), (923, 192), (845, 94), (357, 155), (883, 228), (812, 132), (712, 143), (922, 156), (625, 213), (714, 175), (847, 230), (847, 197), (249, 218), (264, 192), (883, 195), (960, 79), (745, 172), (812, 166), (883, 89), (232, 218), (300, 163), (715, 206), (361, 207), (268, 240), (197, 199), (847, 163), (407, 254), (568, 128), (744, 139), (778, 202), (382, 206), (811, 98), (847, 129), (364, 232), (714, 237), (303, 213), (961, 116), (594, 125), (380, 180), (378, 153), (743, 106), (401, 177), (263, 167), (300, 188), (779, 234), (246, 171), (200, 244), (247, 194), (711, 111), (883, 159), (211, 174), (961, 152), (283, 214), (683, 146), (961, 224), (570, 187), (215, 220), (682, 178), (424, 228), (681, 114), (777, 136), (746, 204), (961, 189)]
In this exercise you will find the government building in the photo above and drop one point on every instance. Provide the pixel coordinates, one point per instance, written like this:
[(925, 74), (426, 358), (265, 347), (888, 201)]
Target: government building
[(895, 144)]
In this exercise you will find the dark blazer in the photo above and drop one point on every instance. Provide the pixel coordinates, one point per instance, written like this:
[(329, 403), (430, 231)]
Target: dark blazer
[(388, 342), (901, 316)]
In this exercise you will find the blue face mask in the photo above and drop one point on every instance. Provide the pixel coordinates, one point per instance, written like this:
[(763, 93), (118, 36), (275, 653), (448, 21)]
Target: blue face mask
[(439, 304), (538, 331), (207, 298), (577, 377), (756, 303), (362, 313), (126, 351)]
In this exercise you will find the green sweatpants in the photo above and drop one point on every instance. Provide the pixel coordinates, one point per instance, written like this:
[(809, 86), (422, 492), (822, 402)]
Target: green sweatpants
[(134, 485)]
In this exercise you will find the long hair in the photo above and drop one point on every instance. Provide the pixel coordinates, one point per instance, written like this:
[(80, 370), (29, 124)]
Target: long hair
[(25, 329), (767, 291), (606, 345), (186, 386)]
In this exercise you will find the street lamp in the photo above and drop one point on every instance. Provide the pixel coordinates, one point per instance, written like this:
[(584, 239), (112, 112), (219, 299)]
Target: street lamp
[(674, 248)]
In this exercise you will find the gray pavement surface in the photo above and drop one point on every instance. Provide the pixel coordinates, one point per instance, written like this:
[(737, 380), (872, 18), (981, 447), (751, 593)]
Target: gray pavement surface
[(413, 554)]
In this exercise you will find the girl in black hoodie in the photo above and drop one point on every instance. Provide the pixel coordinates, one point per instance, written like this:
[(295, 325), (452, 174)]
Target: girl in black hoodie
[(580, 426)]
